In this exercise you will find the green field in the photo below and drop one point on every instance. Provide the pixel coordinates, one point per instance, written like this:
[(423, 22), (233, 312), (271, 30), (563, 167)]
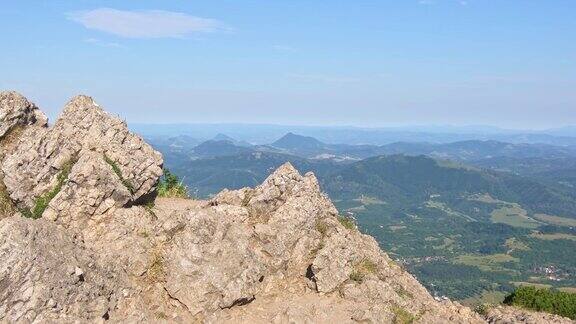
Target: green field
[(554, 236), (531, 284), (513, 215), (555, 220), (486, 297), (493, 262)]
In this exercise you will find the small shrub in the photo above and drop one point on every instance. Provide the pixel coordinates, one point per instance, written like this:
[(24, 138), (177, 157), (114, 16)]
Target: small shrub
[(402, 316), (402, 292), (544, 300), (347, 222), (161, 315), (321, 227), (482, 309), (156, 269), (10, 138), (6, 205), (317, 249), (247, 196), (362, 269), (171, 187), (149, 206), (118, 172)]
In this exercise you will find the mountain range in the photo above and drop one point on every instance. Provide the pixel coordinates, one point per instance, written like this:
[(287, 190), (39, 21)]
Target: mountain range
[(489, 213), (259, 134)]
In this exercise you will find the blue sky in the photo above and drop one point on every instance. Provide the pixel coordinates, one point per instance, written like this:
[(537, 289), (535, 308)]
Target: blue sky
[(365, 63)]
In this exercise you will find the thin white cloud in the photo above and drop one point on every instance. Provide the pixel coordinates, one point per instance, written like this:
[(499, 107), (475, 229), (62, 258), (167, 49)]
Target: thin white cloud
[(144, 23)]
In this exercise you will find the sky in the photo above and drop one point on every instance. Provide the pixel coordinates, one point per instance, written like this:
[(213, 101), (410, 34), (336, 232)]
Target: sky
[(379, 63)]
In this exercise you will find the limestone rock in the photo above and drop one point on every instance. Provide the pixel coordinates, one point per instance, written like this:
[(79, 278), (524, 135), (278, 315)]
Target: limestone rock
[(83, 134), (91, 188), (15, 110), (17, 115), (46, 274), (513, 315), (282, 241)]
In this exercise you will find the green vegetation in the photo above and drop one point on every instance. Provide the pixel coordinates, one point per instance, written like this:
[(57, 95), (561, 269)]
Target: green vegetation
[(118, 172), (10, 138), (554, 236), (321, 227), (515, 216), (362, 269), (149, 206), (491, 262), (485, 298), (403, 292), (530, 284), (156, 269), (545, 300), (466, 260), (171, 187), (347, 222), (482, 309), (514, 244), (6, 205), (555, 220), (41, 203), (465, 233), (367, 200), (402, 316)]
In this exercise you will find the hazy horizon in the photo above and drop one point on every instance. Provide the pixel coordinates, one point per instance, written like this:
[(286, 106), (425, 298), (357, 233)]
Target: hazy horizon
[(423, 127)]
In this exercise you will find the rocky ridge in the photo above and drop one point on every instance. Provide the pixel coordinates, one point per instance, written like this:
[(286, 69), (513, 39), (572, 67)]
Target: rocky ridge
[(97, 245)]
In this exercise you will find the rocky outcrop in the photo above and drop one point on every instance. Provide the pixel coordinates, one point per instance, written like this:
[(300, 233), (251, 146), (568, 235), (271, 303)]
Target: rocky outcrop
[(513, 315), (275, 253), (17, 115), (75, 166), (17, 112)]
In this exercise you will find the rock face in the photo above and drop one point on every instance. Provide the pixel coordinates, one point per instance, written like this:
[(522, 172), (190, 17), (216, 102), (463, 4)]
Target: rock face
[(511, 315), (49, 275), (17, 111), (17, 115), (80, 160), (276, 253)]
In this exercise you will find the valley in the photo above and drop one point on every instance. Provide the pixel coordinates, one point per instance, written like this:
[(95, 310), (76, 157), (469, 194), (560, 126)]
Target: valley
[(466, 227)]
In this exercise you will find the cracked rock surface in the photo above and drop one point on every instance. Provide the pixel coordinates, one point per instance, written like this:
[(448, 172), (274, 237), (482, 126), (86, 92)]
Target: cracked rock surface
[(276, 253), (33, 167)]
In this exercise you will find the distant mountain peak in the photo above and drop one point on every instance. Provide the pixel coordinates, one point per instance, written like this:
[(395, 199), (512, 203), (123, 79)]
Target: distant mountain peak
[(294, 141), (223, 137)]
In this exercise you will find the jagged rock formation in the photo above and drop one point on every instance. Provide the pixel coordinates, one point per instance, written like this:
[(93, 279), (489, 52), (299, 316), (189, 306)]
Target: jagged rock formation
[(92, 150), (16, 115), (276, 253), (16, 111)]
